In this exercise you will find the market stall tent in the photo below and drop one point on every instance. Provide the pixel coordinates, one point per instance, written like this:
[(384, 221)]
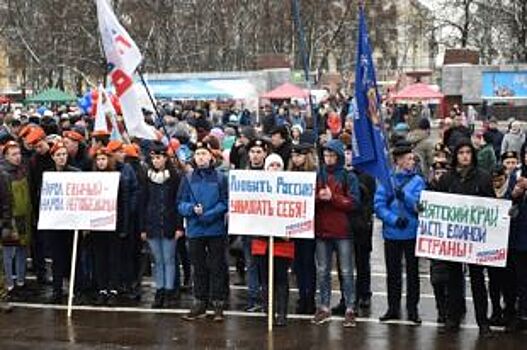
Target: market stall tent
[(285, 91), (418, 92), (51, 96), (186, 90)]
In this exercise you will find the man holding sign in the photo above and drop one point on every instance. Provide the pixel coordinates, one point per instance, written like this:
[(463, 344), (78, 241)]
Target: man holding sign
[(467, 179)]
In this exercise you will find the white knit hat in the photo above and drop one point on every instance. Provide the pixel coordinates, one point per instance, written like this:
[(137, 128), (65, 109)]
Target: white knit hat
[(273, 158)]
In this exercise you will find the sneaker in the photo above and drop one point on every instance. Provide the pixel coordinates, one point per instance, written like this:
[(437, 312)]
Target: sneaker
[(349, 319), (199, 310), (321, 316), (390, 316), (102, 297), (254, 308)]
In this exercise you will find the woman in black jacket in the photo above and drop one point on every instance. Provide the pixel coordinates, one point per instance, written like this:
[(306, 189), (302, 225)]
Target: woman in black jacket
[(161, 224)]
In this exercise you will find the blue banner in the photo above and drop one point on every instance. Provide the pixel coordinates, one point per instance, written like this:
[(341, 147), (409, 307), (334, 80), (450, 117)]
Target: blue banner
[(369, 151), (504, 85)]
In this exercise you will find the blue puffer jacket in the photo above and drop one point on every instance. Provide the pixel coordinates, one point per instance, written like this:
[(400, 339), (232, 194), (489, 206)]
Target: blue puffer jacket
[(388, 208), (209, 188)]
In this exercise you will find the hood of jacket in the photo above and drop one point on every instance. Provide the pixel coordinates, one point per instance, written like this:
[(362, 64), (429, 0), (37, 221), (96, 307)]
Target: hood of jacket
[(464, 143)]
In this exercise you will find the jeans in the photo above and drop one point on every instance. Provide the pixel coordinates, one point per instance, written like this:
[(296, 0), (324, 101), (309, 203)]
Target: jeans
[(208, 258), (394, 250), (164, 252), (18, 254), (253, 278), (324, 254)]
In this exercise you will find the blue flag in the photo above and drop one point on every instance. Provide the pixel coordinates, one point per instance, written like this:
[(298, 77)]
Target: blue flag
[(370, 153)]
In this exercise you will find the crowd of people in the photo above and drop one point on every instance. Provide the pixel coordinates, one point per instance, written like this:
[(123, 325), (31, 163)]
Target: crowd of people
[(173, 201)]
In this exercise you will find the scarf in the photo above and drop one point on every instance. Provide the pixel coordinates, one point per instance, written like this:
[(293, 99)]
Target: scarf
[(158, 177)]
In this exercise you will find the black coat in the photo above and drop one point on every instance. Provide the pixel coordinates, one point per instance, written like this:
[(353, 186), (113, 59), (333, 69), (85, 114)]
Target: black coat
[(160, 217), (284, 151), (477, 182)]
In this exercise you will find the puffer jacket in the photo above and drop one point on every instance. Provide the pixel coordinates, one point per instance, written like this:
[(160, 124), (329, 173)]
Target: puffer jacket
[(332, 217), (209, 188), (388, 208)]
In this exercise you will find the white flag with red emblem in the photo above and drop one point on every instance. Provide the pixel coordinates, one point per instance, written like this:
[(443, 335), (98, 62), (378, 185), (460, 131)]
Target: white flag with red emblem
[(123, 58)]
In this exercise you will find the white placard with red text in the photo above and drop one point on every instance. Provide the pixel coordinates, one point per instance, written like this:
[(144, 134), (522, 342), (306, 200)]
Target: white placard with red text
[(266, 203)]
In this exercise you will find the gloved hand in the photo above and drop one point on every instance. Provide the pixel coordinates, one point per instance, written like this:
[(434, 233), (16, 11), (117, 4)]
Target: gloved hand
[(399, 194), (401, 223)]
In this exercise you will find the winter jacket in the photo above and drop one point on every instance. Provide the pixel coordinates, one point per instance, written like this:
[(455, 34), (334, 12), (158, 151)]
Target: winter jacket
[(487, 158), (81, 160), (423, 148), (388, 208), (18, 217), (473, 181), (160, 215), (284, 151), (38, 164), (268, 123), (126, 199), (332, 217), (238, 157), (209, 188), (281, 248), (512, 142), (497, 140), (361, 217)]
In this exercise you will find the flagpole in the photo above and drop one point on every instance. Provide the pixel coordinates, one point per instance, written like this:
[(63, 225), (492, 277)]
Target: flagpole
[(151, 98)]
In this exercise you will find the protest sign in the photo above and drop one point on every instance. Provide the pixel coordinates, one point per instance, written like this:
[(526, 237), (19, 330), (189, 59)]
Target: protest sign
[(466, 229), (79, 201), (279, 204)]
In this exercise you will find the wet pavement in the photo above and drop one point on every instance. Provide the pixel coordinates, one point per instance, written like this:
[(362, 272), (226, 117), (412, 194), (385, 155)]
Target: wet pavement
[(133, 325)]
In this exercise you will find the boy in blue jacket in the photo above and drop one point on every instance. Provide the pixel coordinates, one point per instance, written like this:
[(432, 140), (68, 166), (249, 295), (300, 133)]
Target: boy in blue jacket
[(202, 200), (398, 213)]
